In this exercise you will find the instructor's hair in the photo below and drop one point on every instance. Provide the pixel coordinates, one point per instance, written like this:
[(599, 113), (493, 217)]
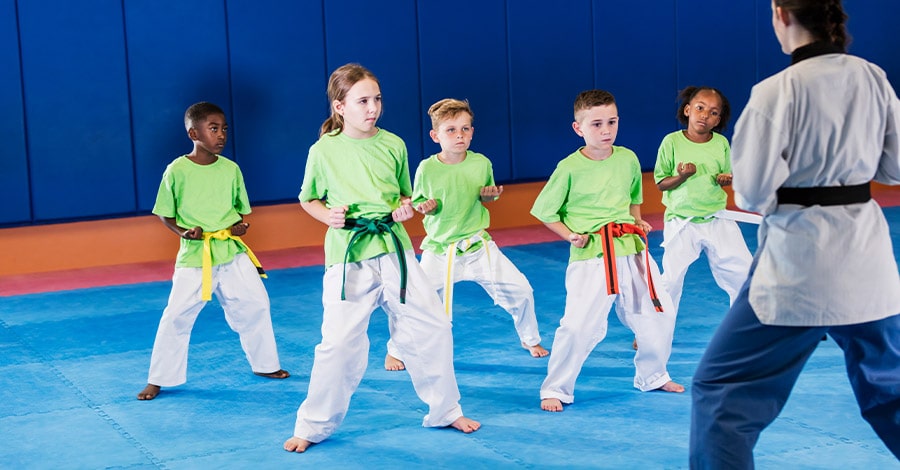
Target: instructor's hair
[(198, 112), (340, 82), (823, 18), (685, 96)]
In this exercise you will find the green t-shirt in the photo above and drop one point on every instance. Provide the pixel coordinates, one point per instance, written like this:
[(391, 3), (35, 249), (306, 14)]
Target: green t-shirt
[(587, 194), (699, 196), (366, 175), (457, 190), (212, 197)]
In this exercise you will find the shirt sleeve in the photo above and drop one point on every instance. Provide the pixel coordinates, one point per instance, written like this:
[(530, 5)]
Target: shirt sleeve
[(889, 165), (309, 190), (665, 161), (549, 202), (165, 196), (418, 195), (758, 150), (241, 199)]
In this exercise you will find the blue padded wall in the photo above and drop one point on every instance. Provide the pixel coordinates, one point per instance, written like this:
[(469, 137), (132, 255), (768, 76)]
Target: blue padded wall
[(278, 81), (465, 57), (92, 94), (551, 52), (177, 55), (382, 37), (76, 104), (16, 205)]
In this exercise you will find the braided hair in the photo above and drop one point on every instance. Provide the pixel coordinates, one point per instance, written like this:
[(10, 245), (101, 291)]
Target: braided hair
[(825, 19)]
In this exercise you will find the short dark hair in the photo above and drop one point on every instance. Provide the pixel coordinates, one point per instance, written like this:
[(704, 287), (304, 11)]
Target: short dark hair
[(590, 98), (199, 112)]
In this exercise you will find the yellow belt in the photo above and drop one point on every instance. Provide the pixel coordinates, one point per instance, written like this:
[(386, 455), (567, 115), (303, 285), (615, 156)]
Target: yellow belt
[(224, 234), (462, 246)]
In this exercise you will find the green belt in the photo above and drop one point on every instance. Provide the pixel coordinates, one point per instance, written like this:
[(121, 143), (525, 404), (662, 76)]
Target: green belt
[(361, 226)]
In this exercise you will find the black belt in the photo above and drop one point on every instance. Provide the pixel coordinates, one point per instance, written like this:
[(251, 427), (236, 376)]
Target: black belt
[(825, 195)]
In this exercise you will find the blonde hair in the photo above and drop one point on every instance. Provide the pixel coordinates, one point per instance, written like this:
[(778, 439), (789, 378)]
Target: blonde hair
[(340, 82), (448, 108)]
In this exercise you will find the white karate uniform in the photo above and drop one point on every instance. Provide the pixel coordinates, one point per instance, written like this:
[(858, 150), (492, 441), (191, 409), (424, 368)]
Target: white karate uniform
[(499, 277), (244, 299), (721, 240), (419, 330), (585, 322)]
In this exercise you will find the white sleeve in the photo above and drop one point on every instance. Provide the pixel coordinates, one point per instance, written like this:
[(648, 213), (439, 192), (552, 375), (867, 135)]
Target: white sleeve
[(758, 151)]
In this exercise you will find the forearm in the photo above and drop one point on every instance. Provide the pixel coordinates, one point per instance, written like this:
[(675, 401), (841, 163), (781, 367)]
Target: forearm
[(671, 182), (317, 210), (560, 229), (635, 211), (169, 222)]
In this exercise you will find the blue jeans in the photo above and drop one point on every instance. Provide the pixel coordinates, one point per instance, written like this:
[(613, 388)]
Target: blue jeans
[(748, 370)]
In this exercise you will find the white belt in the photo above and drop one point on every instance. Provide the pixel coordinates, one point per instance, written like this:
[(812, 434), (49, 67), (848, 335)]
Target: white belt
[(724, 214)]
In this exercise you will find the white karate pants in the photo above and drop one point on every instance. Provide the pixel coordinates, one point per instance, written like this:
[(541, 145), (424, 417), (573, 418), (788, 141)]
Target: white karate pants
[(419, 328), (244, 299), (721, 239), (585, 322)]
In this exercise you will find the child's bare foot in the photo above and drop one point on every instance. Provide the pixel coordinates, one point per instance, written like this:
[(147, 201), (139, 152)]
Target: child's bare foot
[(278, 374), (392, 363), (537, 350), (672, 387), (295, 444), (149, 392), (466, 425), (634, 344), (551, 404)]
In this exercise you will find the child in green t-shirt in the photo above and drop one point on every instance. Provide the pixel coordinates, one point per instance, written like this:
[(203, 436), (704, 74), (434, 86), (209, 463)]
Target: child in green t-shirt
[(450, 189), (357, 182), (692, 166), (592, 200), (202, 199)]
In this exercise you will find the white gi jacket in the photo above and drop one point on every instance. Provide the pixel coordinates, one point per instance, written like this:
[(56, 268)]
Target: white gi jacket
[(830, 119)]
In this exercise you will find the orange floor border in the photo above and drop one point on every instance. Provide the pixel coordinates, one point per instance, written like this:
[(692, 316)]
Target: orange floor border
[(135, 240)]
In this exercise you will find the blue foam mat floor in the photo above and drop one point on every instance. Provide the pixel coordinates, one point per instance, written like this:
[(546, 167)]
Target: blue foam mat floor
[(73, 361)]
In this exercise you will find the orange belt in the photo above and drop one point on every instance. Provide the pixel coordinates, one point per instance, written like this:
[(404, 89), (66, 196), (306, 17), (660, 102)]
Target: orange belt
[(607, 234)]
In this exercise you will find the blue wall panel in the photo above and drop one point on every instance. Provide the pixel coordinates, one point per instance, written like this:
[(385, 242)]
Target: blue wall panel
[(711, 54), (92, 96), (13, 157), (635, 60), (551, 61), (278, 81), (177, 55), (76, 105), (382, 37), (469, 66)]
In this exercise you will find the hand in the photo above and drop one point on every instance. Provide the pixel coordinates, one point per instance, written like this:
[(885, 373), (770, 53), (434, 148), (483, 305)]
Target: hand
[(724, 179), (195, 233), (578, 240), (337, 217), (239, 228), (686, 169), (646, 227), (491, 193), (404, 212), (427, 207)]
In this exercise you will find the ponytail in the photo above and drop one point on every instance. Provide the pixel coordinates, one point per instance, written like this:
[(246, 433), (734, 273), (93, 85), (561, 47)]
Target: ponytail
[(339, 84), (823, 18)]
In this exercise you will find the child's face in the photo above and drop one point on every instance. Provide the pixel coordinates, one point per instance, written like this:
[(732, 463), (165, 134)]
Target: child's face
[(703, 112), (598, 126), (360, 109), (211, 134), (454, 134)]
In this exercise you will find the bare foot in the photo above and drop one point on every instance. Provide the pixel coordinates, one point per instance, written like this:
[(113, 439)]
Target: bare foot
[(392, 363), (551, 404), (672, 387), (537, 350), (278, 374), (466, 425), (149, 392), (634, 344), (295, 444)]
